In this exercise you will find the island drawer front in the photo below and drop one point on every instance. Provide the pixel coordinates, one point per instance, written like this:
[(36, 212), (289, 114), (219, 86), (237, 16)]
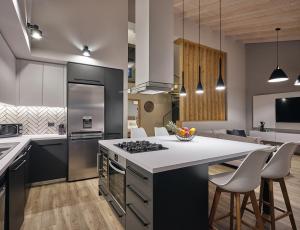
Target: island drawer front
[(138, 178), (136, 220), (140, 201)]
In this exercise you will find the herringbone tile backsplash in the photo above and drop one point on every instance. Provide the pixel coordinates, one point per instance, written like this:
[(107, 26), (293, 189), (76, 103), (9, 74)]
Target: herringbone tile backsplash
[(34, 118)]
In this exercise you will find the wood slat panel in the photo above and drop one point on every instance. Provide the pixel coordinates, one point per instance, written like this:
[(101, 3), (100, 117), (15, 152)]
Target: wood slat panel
[(210, 106), (247, 21)]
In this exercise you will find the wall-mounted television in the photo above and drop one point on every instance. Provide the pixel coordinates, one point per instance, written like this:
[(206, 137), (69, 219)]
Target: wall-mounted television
[(288, 110)]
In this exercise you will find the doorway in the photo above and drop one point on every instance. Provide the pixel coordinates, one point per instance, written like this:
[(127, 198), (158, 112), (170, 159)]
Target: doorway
[(134, 118)]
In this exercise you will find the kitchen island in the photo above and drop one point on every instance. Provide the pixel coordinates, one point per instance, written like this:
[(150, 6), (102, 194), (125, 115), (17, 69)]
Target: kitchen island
[(168, 189)]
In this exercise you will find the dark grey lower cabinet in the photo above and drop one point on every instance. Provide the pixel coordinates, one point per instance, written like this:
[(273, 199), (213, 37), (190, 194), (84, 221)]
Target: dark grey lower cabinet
[(167, 200), (48, 160), (16, 192)]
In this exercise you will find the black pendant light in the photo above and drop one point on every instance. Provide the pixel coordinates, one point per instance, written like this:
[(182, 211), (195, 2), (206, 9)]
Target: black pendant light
[(278, 75), (220, 83), (182, 91), (297, 82), (199, 89)]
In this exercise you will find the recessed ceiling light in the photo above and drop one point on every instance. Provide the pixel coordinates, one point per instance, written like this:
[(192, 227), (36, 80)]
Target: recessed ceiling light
[(86, 52), (35, 32)]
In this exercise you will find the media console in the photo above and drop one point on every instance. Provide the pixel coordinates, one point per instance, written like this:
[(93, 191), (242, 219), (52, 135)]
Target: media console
[(277, 137)]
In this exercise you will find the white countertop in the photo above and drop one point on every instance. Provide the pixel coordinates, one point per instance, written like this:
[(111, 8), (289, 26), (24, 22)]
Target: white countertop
[(23, 141), (201, 150)]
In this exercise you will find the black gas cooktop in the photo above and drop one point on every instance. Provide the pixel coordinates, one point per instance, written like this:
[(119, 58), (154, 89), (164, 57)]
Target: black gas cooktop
[(140, 146)]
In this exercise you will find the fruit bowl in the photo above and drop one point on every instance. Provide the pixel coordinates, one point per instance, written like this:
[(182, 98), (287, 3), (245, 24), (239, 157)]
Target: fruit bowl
[(188, 138), (182, 134)]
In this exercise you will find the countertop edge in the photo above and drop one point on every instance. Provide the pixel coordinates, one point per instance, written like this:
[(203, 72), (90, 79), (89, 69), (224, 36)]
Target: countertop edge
[(23, 141)]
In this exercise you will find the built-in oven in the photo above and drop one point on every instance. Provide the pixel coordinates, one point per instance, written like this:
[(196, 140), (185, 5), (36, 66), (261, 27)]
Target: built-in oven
[(112, 181), (102, 157), (117, 179)]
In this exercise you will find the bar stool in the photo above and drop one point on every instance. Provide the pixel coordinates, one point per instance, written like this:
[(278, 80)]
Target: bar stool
[(138, 133), (275, 170), (161, 131), (243, 181)]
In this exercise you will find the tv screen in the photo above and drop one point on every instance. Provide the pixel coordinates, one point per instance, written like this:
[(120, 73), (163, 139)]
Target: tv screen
[(288, 110)]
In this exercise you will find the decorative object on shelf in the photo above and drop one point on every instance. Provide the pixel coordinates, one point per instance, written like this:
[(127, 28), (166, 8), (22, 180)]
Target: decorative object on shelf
[(297, 82), (61, 129), (149, 106), (199, 89), (35, 32), (182, 134), (262, 126), (220, 83), (182, 92), (86, 52), (278, 75)]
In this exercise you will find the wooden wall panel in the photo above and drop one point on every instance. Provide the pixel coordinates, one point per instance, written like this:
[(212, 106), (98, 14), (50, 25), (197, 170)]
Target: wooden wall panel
[(211, 105)]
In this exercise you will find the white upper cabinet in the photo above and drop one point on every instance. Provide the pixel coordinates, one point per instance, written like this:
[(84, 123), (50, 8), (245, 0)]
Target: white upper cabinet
[(41, 84), (30, 79), (53, 85), (7, 74)]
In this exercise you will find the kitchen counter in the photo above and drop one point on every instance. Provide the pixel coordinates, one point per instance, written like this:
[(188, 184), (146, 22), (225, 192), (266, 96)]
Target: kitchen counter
[(201, 150), (23, 141)]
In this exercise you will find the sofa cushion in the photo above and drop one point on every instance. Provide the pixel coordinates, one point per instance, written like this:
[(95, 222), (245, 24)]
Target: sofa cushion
[(229, 132), (239, 132)]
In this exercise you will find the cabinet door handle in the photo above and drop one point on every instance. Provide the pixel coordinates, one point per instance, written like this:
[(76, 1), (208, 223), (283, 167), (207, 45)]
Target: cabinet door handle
[(141, 219), (16, 169), (138, 194), (137, 173), (29, 147), (88, 80), (50, 144), (115, 209)]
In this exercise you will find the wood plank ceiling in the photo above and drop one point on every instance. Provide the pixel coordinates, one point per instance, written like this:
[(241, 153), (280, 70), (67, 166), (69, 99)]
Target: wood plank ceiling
[(249, 21)]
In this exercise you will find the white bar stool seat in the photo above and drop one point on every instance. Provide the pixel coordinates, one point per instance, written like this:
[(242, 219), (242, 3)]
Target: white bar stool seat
[(138, 133), (243, 181), (161, 131), (276, 170)]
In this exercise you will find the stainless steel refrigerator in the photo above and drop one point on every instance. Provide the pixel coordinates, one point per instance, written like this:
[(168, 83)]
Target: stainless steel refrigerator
[(85, 128)]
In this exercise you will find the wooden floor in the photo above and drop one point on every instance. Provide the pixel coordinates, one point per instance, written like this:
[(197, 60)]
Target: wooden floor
[(77, 205)]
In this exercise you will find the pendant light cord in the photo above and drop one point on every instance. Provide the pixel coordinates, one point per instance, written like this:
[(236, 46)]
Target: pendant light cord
[(220, 28), (199, 45), (183, 56), (277, 30)]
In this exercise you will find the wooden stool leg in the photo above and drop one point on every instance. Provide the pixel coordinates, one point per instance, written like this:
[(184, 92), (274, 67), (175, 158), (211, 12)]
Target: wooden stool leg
[(287, 202), (238, 211), (271, 196), (259, 221), (214, 206), (244, 204), (231, 210), (261, 191)]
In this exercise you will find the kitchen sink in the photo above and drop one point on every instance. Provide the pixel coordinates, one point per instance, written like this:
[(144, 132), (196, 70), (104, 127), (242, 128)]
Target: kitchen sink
[(6, 148)]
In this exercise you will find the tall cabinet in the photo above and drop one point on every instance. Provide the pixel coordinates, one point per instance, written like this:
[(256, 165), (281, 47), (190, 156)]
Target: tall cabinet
[(113, 81), (40, 84)]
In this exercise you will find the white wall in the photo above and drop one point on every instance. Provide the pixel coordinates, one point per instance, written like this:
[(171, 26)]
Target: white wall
[(7, 73), (235, 74), (100, 24), (264, 109)]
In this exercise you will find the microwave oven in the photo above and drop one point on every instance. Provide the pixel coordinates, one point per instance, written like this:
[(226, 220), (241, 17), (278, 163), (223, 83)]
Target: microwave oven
[(10, 130)]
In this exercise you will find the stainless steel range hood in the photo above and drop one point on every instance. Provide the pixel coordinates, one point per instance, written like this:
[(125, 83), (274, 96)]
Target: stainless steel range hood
[(154, 47), (152, 88)]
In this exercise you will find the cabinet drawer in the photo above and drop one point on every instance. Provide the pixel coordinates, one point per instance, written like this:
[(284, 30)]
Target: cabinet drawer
[(135, 220), (139, 178), (142, 202), (48, 160)]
